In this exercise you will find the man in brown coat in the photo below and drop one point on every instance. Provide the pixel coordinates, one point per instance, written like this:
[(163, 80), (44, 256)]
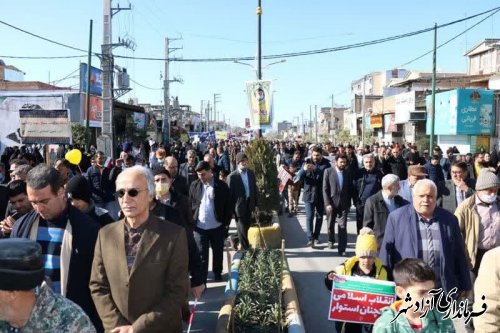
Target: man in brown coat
[(140, 277)]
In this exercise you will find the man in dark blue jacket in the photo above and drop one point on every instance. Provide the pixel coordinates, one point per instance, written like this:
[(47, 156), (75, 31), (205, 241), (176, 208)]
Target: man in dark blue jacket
[(430, 233), (312, 174), (367, 182), (99, 181), (434, 170), (223, 159), (67, 237)]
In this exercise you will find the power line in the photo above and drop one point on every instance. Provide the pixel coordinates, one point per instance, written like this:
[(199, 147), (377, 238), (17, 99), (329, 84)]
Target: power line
[(43, 38), (146, 87), (248, 58), (326, 50), (451, 39), (42, 57)]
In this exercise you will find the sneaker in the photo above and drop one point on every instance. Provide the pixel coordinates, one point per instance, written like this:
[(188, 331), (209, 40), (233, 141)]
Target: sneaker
[(341, 254), (217, 277), (330, 245), (317, 241), (290, 214), (310, 243)]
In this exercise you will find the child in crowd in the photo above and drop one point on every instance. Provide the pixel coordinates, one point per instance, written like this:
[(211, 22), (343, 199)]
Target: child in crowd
[(293, 190), (414, 277), (364, 264)]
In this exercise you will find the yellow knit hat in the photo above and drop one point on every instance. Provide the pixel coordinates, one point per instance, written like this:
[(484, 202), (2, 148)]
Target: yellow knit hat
[(366, 243)]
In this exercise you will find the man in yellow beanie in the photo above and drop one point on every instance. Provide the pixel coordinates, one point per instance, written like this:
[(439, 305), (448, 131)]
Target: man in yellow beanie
[(364, 264)]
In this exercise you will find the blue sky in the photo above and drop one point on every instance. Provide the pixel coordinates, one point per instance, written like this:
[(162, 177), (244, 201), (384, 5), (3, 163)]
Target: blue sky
[(225, 28)]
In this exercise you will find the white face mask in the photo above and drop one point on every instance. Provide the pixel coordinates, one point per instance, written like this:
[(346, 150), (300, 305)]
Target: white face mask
[(489, 199)]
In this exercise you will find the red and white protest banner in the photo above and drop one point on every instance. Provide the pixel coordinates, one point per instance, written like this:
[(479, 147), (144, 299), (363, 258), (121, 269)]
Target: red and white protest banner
[(284, 176), (359, 300)]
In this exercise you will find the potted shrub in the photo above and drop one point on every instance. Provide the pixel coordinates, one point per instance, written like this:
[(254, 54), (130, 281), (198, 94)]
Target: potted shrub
[(257, 306), (265, 230)]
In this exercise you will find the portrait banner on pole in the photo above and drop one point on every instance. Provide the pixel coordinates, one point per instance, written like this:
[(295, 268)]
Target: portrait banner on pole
[(259, 95)]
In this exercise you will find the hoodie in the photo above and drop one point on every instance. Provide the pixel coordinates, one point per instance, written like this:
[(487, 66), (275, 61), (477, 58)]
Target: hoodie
[(433, 322)]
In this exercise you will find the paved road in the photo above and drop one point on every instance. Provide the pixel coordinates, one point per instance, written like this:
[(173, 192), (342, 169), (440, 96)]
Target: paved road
[(205, 319), (309, 266), (308, 269)]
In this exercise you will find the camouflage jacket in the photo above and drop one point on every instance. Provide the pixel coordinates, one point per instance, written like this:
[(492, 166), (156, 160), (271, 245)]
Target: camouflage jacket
[(53, 313)]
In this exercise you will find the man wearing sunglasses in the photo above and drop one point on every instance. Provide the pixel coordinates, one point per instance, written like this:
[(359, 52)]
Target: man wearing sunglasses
[(140, 279)]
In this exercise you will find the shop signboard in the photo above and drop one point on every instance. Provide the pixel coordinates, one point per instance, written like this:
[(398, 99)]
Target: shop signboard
[(475, 112), (389, 123), (376, 121), (462, 112), (405, 103), (39, 126)]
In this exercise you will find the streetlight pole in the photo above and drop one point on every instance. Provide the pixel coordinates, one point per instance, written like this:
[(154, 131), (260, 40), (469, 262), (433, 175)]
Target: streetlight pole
[(433, 97), (259, 42)]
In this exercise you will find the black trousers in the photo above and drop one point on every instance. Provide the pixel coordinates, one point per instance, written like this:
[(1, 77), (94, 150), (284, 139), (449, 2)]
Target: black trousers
[(339, 216), (242, 225), (479, 258), (360, 214), (213, 238)]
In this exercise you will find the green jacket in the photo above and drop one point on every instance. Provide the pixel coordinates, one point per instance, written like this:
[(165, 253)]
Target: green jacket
[(54, 313), (433, 322)]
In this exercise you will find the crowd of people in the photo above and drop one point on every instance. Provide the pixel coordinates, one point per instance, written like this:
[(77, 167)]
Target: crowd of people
[(174, 203)]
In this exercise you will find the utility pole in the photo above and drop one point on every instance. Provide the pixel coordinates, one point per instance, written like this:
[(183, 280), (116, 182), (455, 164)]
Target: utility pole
[(362, 141), (201, 111), (87, 102), (431, 143), (106, 140), (208, 114), (302, 127), (332, 120), (310, 120), (259, 51), (216, 100), (316, 122), (166, 90)]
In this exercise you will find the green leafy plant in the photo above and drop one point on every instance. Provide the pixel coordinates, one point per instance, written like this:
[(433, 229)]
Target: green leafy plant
[(262, 161), (78, 134), (258, 302)]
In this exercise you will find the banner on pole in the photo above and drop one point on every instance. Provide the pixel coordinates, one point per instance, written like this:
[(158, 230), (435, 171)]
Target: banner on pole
[(221, 135), (44, 126), (95, 80), (259, 95), (359, 300), (247, 123), (95, 114), (202, 136)]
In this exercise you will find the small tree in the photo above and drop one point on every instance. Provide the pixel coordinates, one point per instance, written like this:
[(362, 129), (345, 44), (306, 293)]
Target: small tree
[(78, 134), (133, 133), (262, 161)]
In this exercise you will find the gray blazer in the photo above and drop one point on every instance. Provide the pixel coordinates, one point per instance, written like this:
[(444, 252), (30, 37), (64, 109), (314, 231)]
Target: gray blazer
[(447, 195)]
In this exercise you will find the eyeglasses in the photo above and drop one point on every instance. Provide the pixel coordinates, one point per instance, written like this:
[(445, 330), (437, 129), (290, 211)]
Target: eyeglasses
[(133, 192)]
